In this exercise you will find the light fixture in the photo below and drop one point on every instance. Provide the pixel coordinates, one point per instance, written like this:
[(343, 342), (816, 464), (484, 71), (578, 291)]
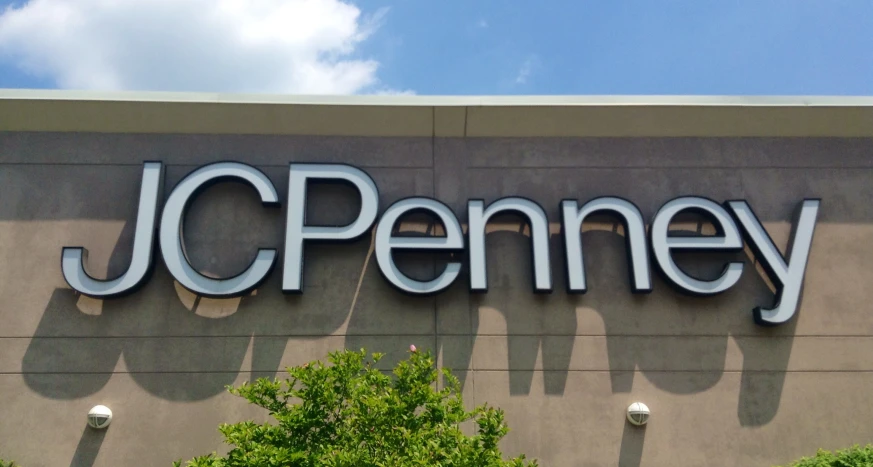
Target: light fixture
[(638, 413), (99, 417)]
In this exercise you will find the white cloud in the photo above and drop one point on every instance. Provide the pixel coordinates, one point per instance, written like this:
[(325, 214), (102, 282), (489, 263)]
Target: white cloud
[(394, 92), (281, 46), (524, 71)]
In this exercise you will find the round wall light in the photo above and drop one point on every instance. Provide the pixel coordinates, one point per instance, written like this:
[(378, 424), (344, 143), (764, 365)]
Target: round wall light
[(638, 413), (99, 417)]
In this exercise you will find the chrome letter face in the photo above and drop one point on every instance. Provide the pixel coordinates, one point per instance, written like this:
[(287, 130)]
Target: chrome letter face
[(539, 228), (297, 231), (386, 242), (635, 238), (788, 276), (731, 220), (72, 258), (728, 238), (172, 220)]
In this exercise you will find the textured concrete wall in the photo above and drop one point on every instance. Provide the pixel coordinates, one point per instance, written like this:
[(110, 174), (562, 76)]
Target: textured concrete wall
[(723, 391)]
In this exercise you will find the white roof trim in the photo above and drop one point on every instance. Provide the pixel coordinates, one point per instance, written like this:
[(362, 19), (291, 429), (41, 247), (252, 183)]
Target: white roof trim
[(448, 101)]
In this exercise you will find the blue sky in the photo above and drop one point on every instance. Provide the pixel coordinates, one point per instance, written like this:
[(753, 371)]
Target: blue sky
[(751, 47)]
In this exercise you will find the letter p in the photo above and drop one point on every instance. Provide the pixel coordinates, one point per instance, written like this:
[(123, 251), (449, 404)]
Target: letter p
[(297, 232)]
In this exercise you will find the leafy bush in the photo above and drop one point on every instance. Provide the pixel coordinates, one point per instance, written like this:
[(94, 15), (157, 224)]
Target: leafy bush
[(853, 457), (4, 463), (349, 414)]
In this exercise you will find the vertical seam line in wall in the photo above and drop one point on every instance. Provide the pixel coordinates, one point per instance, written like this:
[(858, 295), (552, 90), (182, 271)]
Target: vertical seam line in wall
[(436, 333), (471, 376)]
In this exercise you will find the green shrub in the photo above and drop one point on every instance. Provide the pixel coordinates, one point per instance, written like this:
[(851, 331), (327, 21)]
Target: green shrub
[(853, 457), (349, 414), (4, 463)]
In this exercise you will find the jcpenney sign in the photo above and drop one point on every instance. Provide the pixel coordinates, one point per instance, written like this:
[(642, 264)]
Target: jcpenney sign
[(733, 220)]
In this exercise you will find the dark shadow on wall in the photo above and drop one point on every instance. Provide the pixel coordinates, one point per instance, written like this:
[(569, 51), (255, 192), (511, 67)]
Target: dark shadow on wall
[(88, 447), (665, 333), (631, 450), (387, 320), (761, 391), (536, 325), (658, 334), (543, 325), (197, 359), (174, 344), (178, 346), (679, 343)]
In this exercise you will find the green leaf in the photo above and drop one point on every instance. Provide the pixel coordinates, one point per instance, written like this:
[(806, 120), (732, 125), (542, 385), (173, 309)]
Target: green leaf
[(347, 413)]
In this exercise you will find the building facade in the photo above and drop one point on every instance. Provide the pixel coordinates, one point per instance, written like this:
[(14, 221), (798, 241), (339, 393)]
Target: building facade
[(687, 328)]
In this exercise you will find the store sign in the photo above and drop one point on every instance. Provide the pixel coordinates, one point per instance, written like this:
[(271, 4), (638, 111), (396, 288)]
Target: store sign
[(735, 223)]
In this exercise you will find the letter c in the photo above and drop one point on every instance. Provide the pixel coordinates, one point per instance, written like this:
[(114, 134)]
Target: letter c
[(172, 246)]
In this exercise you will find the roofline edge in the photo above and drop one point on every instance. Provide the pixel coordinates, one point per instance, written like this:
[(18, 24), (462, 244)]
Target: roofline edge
[(436, 116), (440, 100)]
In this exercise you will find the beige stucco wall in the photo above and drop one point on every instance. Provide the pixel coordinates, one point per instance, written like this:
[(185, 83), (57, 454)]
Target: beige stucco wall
[(722, 390)]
